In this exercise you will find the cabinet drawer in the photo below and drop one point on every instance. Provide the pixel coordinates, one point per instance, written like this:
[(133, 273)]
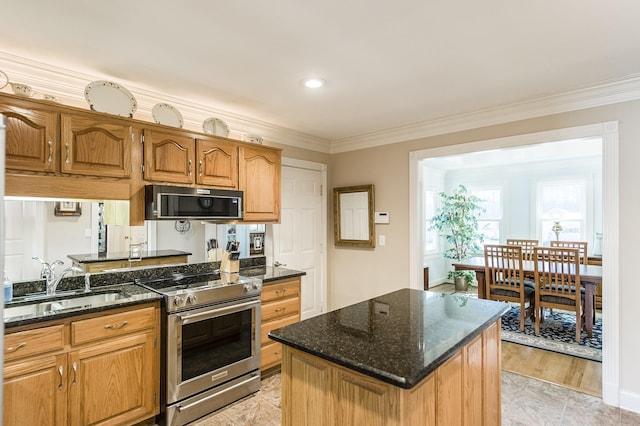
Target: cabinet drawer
[(33, 342), (270, 355), (267, 326), (111, 325), (281, 290), (279, 309)]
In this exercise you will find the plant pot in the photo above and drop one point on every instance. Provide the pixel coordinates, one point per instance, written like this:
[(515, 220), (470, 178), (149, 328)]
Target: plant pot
[(460, 283)]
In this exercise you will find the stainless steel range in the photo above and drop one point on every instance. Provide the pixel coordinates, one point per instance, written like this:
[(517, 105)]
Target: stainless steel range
[(211, 344)]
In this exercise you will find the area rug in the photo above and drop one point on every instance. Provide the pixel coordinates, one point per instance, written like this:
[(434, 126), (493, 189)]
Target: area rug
[(557, 334)]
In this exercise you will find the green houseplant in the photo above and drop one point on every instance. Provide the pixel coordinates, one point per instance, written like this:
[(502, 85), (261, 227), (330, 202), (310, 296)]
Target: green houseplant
[(457, 221)]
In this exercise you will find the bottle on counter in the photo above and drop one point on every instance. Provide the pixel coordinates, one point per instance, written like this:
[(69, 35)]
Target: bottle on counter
[(8, 287)]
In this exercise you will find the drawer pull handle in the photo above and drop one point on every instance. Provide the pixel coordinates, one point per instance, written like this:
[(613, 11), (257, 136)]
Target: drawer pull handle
[(16, 347), (281, 309), (200, 167), (60, 372), (66, 148), (50, 158), (276, 353), (75, 370), (117, 326), (278, 292)]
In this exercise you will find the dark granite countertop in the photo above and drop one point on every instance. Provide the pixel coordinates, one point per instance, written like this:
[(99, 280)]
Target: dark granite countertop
[(269, 273), (106, 257), (130, 294), (399, 338)]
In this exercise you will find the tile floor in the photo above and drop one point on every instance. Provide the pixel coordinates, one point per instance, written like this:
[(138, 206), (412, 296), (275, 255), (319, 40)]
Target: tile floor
[(525, 401)]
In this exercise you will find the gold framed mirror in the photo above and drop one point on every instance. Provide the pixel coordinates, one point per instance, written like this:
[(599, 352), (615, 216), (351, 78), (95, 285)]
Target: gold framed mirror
[(353, 208)]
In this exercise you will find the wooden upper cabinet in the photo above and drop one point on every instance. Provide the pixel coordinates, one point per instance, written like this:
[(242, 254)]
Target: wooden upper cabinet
[(168, 157), (95, 147), (217, 163), (31, 138), (259, 178)]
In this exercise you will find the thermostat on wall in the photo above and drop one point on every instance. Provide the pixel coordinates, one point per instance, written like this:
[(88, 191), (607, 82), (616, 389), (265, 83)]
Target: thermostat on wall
[(381, 217)]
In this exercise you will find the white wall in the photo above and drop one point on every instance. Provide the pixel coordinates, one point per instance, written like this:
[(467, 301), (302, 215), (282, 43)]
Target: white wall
[(518, 185)]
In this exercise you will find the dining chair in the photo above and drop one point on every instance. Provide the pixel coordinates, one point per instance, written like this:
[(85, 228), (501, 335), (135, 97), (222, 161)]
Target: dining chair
[(580, 245), (527, 246), (504, 280), (557, 278)]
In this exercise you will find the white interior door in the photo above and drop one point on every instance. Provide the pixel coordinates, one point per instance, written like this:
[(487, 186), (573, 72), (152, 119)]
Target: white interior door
[(300, 238), (23, 239)]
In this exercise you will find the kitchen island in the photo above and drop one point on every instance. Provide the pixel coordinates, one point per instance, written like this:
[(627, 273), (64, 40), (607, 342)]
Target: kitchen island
[(407, 357)]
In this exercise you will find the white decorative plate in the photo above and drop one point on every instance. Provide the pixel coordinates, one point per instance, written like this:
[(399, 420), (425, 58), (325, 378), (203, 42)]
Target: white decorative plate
[(167, 115), (109, 97), (215, 126)]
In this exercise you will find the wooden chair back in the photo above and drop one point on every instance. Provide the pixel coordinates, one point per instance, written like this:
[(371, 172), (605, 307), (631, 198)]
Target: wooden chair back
[(504, 279), (580, 245), (527, 246), (557, 278)]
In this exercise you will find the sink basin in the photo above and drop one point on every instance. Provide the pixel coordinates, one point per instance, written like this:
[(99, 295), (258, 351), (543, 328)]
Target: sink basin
[(50, 307)]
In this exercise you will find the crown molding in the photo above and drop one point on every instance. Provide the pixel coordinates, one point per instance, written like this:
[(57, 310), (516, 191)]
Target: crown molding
[(68, 86), (603, 94)]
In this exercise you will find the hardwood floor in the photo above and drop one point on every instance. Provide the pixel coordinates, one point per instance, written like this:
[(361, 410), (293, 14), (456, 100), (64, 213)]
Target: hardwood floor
[(575, 373)]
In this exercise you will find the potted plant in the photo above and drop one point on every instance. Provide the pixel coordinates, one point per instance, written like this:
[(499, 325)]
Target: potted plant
[(457, 221)]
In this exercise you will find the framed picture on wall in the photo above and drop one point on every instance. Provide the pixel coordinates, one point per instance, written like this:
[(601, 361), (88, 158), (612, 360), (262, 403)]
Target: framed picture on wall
[(67, 208)]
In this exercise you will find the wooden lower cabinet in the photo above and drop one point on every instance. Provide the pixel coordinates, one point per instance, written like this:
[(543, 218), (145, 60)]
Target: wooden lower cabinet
[(35, 391), (465, 390), (280, 307), (109, 379)]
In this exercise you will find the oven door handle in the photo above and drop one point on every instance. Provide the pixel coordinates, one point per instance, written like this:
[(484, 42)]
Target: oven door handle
[(187, 317)]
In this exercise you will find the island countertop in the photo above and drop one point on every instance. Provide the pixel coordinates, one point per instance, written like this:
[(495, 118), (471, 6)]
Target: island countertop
[(146, 254), (399, 338)]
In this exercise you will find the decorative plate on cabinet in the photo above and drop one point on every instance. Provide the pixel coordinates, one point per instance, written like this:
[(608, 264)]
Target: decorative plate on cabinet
[(215, 126), (110, 97), (166, 114)]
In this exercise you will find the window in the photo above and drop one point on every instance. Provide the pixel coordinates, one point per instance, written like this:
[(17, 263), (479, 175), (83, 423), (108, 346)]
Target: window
[(431, 237), (563, 204), (490, 223)]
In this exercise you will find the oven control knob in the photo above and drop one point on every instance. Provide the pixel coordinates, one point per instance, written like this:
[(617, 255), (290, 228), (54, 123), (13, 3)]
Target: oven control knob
[(178, 300), (252, 287), (191, 299)]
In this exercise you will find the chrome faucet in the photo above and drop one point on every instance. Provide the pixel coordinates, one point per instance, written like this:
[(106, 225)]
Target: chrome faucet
[(53, 284), (48, 269)]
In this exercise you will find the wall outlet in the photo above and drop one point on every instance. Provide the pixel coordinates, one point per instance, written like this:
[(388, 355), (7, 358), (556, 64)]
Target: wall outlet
[(87, 232), (381, 240)]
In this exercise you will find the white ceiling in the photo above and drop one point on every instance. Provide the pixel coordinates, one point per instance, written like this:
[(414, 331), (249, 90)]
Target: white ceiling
[(388, 64)]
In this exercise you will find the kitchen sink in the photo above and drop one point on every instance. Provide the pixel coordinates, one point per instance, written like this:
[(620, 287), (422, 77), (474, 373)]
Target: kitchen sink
[(50, 307)]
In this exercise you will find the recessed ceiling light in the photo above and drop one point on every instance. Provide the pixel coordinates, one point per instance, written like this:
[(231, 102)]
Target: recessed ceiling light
[(314, 83)]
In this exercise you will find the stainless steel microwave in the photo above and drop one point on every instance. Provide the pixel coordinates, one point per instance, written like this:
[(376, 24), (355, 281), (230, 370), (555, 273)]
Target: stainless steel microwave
[(179, 202)]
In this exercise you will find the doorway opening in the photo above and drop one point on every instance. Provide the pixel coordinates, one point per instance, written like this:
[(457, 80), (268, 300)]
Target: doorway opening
[(608, 132)]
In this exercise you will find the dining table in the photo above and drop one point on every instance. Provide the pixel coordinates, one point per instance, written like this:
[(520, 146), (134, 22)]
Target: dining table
[(590, 277)]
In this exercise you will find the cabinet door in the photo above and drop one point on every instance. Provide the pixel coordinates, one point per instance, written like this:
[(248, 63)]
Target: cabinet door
[(168, 157), (114, 380), (306, 391), (35, 391), (31, 138), (361, 400), (97, 148), (259, 173), (217, 163)]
